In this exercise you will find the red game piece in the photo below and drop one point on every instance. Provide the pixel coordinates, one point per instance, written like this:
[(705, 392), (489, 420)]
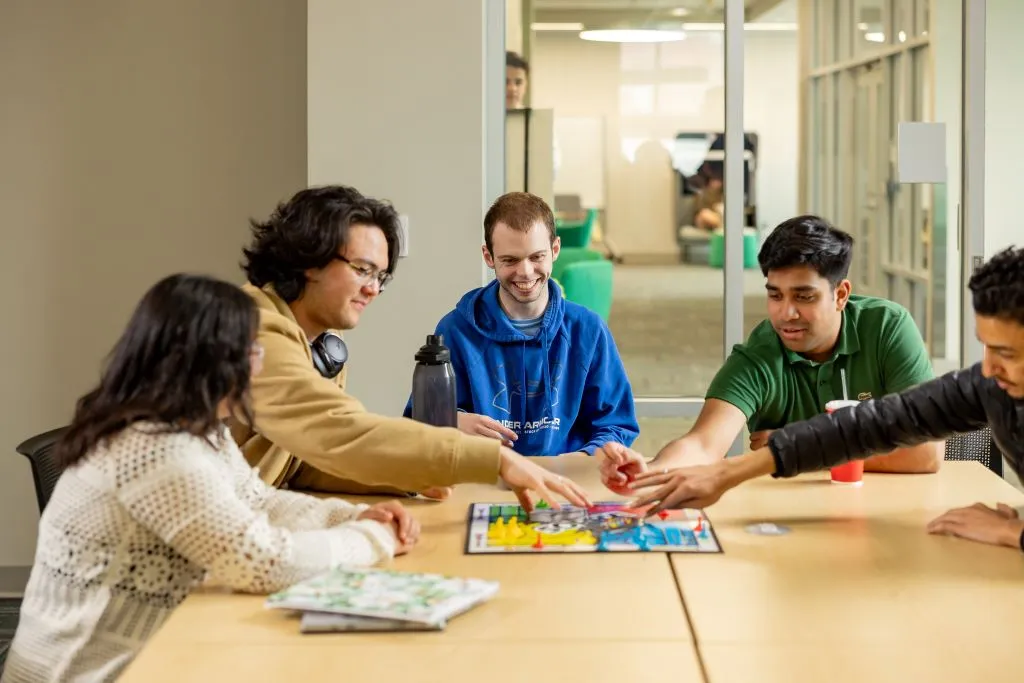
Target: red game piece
[(700, 524), (663, 514), (539, 544)]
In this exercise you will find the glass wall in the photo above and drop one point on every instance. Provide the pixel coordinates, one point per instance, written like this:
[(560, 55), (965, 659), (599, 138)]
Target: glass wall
[(870, 65), (636, 92)]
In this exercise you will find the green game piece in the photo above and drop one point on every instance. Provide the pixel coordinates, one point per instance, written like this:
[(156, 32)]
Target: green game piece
[(542, 505)]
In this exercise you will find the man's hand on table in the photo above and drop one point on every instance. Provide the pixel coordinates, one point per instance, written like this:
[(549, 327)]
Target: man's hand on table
[(437, 492), (996, 526)]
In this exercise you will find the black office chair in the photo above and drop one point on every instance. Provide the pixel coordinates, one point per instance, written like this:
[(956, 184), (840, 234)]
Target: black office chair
[(977, 446), (45, 471)]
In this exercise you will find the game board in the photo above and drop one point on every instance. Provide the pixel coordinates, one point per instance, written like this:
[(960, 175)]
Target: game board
[(605, 527)]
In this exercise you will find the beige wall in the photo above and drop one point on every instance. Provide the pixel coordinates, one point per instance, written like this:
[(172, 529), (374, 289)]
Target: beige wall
[(136, 138), (396, 109)]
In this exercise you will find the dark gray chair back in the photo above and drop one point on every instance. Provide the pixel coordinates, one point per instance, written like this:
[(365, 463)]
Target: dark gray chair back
[(977, 446), (45, 471)]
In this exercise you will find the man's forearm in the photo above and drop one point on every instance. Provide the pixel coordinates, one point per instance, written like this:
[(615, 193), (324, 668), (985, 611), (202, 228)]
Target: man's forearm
[(750, 465), (923, 459), (685, 451)]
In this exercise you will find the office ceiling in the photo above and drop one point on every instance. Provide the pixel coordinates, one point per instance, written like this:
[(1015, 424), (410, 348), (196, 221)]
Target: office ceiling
[(622, 13)]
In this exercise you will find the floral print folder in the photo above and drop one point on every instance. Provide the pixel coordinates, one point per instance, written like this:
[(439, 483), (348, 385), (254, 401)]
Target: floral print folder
[(386, 594)]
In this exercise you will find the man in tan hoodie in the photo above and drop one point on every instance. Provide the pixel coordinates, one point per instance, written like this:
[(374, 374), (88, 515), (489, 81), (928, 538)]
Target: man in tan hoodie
[(312, 268)]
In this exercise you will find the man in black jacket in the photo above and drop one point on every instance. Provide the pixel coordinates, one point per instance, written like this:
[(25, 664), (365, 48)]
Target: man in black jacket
[(989, 393)]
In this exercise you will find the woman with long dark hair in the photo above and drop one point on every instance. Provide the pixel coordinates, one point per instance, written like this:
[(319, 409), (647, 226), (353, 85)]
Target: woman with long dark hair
[(156, 497)]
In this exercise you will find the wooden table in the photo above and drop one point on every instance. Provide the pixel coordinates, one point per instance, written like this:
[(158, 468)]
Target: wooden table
[(857, 590), (914, 606), (556, 617)]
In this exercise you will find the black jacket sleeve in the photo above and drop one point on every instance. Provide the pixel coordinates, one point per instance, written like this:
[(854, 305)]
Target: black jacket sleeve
[(934, 410)]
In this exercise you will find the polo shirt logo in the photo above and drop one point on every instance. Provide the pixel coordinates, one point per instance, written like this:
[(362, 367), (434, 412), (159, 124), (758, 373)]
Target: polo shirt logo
[(864, 395)]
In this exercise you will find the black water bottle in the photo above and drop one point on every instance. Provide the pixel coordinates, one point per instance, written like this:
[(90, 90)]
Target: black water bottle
[(433, 384)]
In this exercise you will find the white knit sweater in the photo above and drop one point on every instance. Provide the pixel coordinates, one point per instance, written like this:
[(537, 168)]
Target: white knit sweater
[(137, 523)]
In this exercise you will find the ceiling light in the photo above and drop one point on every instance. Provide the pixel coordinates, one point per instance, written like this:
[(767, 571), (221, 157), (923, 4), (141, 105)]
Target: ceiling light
[(752, 26), (680, 12), (632, 35), (557, 26), (874, 37)]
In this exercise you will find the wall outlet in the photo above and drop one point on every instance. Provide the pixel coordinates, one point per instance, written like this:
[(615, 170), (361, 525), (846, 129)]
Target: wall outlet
[(403, 241)]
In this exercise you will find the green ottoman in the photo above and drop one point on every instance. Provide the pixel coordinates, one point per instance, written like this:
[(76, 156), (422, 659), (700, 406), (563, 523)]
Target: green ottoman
[(716, 249)]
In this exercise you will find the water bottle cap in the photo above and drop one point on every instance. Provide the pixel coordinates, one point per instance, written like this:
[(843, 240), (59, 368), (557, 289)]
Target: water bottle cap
[(434, 352)]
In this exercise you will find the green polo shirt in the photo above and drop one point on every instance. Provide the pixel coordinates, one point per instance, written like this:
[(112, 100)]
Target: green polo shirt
[(879, 347)]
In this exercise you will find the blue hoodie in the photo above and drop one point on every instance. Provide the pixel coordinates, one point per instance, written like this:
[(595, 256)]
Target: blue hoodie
[(578, 396)]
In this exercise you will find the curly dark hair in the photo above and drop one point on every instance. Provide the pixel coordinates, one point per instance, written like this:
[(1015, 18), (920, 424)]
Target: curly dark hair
[(808, 241), (187, 348), (997, 287), (308, 231)]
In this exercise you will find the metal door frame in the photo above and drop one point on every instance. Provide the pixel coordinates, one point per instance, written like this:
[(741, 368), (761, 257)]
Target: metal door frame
[(971, 216)]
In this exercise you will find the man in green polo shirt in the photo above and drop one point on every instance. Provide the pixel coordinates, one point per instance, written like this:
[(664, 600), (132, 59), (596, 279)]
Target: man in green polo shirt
[(819, 343)]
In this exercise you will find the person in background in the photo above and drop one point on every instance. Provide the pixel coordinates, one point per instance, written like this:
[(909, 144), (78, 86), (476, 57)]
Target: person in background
[(313, 267), (155, 497), (517, 77), (987, 394), (533, 370), (819, 343), (709, 207)]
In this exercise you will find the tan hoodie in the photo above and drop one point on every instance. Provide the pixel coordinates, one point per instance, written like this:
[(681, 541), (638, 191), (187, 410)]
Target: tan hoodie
[(301, 416)]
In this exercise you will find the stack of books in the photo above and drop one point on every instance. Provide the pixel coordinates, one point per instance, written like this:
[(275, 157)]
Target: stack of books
[(346, 599)]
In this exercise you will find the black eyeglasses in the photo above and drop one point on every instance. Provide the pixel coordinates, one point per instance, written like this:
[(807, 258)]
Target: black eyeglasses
[(368, 273)]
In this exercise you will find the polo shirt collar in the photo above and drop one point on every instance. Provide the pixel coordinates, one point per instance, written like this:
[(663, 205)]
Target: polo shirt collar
[(847, 344)]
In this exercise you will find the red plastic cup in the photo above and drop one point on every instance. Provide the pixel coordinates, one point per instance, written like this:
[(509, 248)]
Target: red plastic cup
[(852, 473)]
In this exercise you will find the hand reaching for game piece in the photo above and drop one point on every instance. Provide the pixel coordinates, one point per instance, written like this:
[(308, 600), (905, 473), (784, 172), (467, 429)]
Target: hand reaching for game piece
[(481, 425), (523, 476), (396, 519), (619, 466)]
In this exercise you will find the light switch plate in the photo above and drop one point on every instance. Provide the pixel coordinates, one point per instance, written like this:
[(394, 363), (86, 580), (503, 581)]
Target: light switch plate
[(403, 237), (920, 152)]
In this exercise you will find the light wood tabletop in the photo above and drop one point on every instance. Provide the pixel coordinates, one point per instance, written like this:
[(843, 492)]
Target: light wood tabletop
[(569, 617), (857, 566), (855, 591), (894, 662)]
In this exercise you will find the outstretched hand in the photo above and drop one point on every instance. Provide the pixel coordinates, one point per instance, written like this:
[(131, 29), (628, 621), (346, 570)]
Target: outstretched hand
[(685, 487), (619, 466), (524, 477)]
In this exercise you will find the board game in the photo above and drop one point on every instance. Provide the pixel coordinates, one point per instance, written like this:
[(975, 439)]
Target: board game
[(604, 527)]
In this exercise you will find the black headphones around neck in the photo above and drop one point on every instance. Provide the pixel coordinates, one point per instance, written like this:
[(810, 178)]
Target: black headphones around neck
[(329, 354)]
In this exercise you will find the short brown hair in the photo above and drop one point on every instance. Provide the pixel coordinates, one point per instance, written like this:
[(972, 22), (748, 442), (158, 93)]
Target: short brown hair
[(519, 211)]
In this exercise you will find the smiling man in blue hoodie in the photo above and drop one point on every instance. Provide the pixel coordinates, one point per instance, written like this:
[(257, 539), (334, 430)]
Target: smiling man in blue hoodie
[(536, 371)]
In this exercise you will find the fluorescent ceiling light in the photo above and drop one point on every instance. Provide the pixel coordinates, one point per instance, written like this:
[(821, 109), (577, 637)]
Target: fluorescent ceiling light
[(632, 35), (564, 26), (874, 37), (680, 12), (753, 26)]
